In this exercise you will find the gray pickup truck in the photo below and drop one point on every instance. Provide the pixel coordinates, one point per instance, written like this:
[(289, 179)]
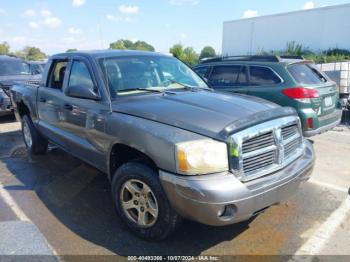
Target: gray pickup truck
[(172, 147)]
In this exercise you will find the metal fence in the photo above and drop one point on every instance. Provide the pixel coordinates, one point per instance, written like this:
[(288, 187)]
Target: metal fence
[(340, 73)]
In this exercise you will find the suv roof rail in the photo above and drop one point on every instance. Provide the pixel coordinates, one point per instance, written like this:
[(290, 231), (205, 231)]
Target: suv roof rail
[(298, 57), (257, 58)]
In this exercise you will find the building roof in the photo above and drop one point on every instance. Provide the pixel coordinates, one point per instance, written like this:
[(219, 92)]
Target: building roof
[(291, 12)]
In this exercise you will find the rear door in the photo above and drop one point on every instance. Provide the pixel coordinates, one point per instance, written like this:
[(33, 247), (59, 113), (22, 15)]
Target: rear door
[(264, 82), (230, 78), (309, 76)]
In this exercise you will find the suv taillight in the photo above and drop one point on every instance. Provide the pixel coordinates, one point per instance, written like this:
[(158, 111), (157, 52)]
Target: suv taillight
[(301, 94)]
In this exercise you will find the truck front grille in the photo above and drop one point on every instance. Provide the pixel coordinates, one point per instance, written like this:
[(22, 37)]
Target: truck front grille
[(259, 142), (266, 148)]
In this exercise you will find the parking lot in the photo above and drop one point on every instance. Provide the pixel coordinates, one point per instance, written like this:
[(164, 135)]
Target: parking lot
[(69, 203)]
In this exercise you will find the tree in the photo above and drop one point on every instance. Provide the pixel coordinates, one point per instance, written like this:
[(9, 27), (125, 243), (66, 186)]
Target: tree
[(142, 45), (4, 48), (189, 56), (177, 50), (31, 53), (71, 50), (186, 55), (124, 44), (206, 52), (294, 49)]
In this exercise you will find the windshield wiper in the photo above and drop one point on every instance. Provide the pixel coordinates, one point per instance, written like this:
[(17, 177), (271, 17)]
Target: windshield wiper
[(191, 88), (147, 90)]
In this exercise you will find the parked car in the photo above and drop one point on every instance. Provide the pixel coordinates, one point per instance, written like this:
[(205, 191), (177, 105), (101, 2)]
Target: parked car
[(11, 70), (285, 80), (172, 147), (36, 67)]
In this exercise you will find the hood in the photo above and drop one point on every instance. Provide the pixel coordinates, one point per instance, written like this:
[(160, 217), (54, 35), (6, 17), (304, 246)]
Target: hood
[(11, 80), (211, 114)]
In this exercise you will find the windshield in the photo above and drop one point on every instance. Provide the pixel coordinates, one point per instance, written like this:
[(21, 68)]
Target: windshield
[(127, 75), (15, 67)]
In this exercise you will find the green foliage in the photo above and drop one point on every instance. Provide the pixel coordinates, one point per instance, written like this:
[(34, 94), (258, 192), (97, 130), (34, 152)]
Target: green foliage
[(31, 53), (206, 52), (4, 48), (177, 50), (141, 45), (328, 56), (124, 44), (187, 55), (71, 50), (294, 49)]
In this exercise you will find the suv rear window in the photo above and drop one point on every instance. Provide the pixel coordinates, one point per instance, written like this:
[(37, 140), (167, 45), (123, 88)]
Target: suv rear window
[(306, 74), (260, 76)]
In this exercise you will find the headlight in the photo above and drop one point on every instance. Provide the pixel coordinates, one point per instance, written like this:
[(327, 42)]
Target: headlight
[(201, 157)]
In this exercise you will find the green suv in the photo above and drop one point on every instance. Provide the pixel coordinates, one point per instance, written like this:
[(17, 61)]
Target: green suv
[(285, 80)]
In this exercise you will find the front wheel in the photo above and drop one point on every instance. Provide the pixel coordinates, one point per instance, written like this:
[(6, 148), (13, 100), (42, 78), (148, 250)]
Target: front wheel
[(34, 141), (141, 202)]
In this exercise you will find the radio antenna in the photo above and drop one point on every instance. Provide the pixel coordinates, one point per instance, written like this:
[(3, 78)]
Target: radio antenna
[(107, 86)]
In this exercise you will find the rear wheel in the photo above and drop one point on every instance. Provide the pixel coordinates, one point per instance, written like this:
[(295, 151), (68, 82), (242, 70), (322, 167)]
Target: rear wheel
[(141, 202), (34, 141)]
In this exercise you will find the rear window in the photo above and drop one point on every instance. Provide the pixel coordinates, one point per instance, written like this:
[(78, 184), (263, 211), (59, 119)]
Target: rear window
[(260, 76), (306, 74)]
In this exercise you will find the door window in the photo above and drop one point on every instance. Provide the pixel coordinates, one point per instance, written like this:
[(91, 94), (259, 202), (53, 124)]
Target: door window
[(226, 75), (260, 76), (57, 73), (80, 76)]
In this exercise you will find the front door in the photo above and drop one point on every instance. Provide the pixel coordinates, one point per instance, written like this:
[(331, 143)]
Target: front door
[(85, 118)]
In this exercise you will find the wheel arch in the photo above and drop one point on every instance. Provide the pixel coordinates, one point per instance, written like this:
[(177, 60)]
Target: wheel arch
[(120, 154)]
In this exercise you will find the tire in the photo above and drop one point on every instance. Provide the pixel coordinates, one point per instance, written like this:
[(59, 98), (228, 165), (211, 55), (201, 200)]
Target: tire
[(167, 220), (36, 144)]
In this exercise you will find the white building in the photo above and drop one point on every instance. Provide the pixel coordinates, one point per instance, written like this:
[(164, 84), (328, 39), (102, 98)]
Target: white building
[(318, 29)]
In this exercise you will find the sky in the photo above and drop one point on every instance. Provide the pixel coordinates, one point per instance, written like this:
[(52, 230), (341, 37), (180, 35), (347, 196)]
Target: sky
[(55, 26)]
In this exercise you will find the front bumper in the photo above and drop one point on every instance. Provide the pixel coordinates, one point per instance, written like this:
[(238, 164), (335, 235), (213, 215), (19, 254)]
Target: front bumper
[(222, 199)]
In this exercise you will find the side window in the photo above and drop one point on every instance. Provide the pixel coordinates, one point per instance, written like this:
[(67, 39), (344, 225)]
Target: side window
[(262, 76), (57, 73), (225, 75), (243, 76), (80, 75), (202, 71)]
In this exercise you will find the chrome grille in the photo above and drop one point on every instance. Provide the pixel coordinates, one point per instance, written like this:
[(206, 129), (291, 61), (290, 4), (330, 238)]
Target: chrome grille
[(266, 148), (290, 147), (260, 161), (289, 131), (259, 142)]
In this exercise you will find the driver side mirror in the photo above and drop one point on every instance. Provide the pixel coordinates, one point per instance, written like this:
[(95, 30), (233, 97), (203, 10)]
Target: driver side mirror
[(81, 92)]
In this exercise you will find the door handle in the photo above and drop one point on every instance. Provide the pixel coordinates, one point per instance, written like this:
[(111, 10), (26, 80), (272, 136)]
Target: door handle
[(68, 107), (42, 100)]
